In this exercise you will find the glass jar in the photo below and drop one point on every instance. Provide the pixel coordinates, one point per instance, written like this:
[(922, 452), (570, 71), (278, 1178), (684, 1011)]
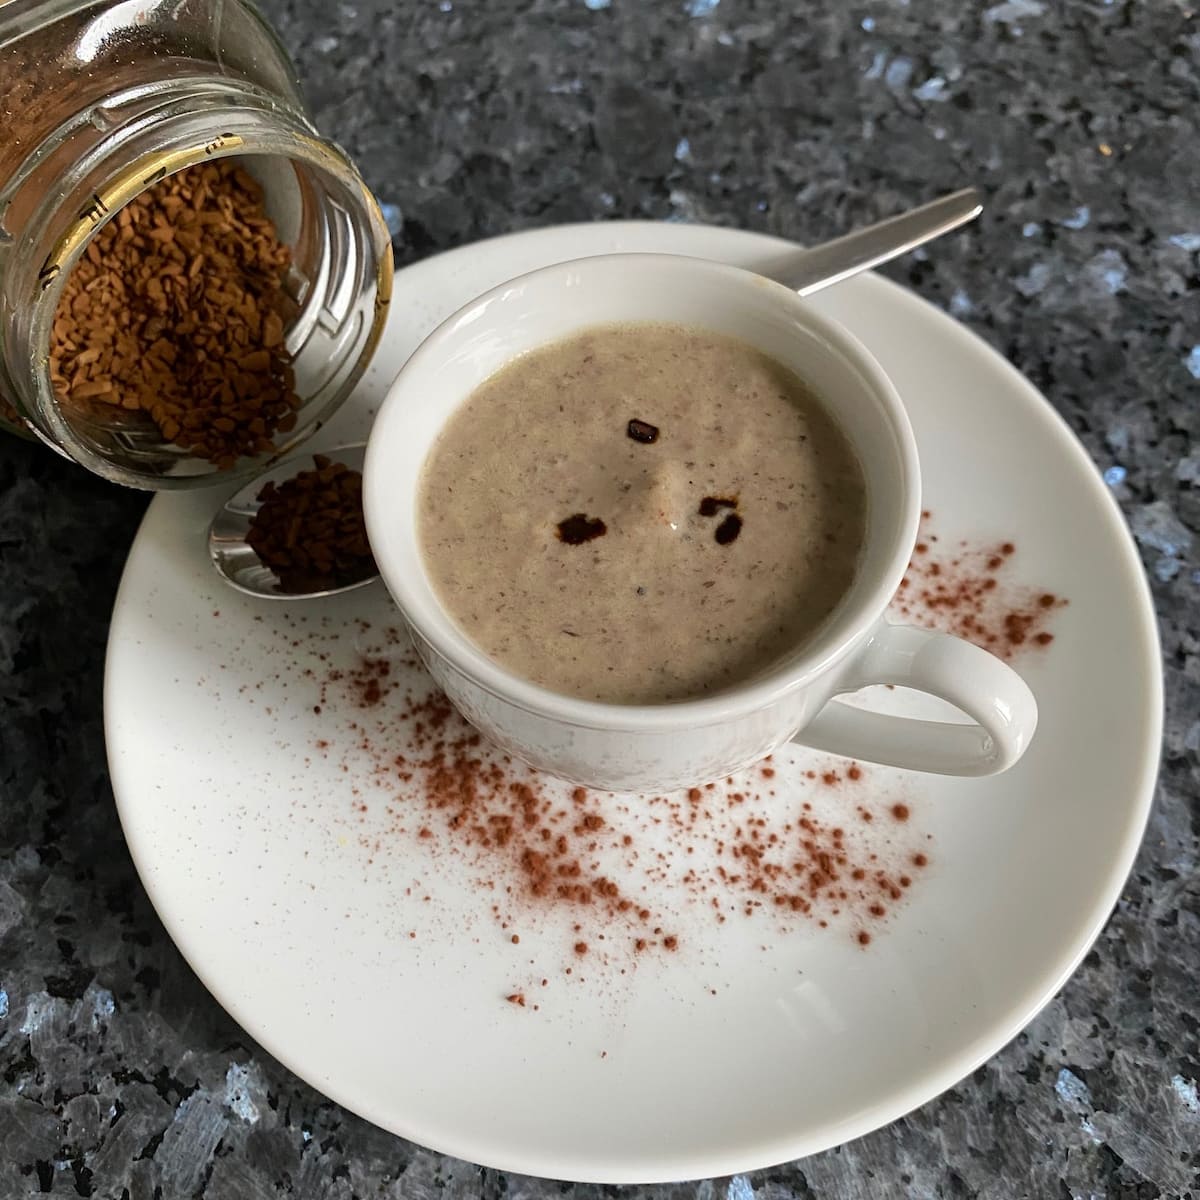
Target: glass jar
[(101, 101)]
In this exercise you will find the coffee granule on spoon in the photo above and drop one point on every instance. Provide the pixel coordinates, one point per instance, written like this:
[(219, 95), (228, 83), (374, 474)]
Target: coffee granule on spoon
[(174, 319), (310, 530)]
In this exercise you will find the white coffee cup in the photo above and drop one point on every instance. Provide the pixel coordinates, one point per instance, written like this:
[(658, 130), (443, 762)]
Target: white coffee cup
[(663, 746)]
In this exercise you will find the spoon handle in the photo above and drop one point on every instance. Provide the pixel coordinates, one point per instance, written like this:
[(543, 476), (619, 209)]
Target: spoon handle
[(831, 262)]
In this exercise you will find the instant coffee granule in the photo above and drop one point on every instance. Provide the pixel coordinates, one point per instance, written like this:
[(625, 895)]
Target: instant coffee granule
[(310, 530), (175, 314)]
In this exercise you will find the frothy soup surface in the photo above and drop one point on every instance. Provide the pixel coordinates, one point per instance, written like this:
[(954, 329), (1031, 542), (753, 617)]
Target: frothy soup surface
[(641, 513)]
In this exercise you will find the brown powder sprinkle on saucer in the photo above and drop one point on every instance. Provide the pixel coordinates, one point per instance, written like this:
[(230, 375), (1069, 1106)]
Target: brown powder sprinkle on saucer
[(619, 870), (965, 590), (607, 884)]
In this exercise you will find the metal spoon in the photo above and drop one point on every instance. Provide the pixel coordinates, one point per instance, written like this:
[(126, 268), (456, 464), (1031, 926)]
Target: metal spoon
[(822, 266), (806, 272), (235, 561)]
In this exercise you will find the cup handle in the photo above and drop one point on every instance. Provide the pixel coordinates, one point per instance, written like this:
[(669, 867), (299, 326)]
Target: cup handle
[(998, 701)]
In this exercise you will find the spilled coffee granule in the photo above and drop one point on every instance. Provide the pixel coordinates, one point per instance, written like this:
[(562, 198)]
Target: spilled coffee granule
[(310, 530), (175, 317)]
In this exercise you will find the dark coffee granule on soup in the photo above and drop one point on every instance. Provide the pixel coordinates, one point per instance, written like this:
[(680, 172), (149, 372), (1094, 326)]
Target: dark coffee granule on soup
[(728, 529), (710, 505), (580, 528)]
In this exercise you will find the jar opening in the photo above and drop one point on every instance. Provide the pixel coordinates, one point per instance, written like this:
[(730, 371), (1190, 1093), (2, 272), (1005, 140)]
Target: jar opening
[(328, 313)]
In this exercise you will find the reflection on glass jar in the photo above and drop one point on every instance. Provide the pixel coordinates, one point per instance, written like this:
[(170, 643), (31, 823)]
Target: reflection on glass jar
[(102, 103)]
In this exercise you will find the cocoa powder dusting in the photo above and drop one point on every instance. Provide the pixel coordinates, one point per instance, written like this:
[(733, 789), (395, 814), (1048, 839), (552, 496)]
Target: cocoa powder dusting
[(795, 842), (967, 591), (740, 849), (500, 816), (625, 869)]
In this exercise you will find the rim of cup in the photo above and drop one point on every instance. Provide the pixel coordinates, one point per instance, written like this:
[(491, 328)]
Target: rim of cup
[(389, 494)]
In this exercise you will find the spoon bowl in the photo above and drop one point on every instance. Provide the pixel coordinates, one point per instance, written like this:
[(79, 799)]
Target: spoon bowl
[(236, 561)]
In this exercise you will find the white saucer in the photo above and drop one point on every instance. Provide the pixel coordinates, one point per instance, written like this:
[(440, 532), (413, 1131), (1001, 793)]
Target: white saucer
[(285, 880)]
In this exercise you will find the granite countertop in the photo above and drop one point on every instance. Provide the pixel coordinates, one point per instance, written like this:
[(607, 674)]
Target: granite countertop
[(121, 1077)]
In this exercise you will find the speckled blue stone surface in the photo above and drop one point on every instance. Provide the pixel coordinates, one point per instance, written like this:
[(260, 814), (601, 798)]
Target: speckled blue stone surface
[(120, 1076)]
